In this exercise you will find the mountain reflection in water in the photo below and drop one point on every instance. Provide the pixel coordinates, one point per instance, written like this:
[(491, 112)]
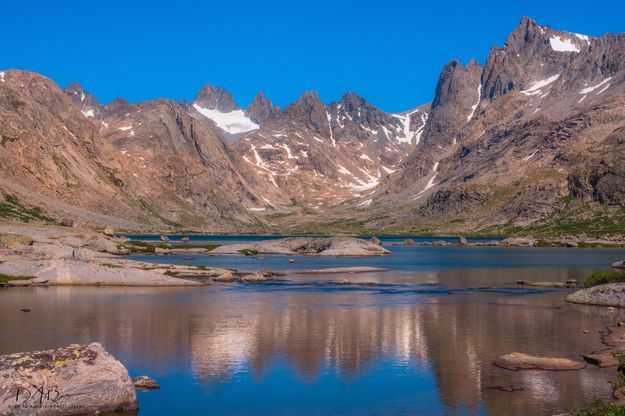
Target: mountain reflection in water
[(321, 349)]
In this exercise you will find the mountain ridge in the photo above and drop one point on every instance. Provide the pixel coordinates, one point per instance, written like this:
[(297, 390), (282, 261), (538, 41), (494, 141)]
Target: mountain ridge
[(528, 142)]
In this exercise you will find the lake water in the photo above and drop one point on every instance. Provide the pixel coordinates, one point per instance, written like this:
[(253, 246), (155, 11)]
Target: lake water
[(422, 342)]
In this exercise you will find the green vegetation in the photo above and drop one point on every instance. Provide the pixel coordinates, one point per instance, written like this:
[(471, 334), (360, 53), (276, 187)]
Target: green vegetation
[(112, 266), (201, 267), (172, 273), (209, 247), (5, 278), (600, 407), (602, 277), (139, 247), (248, 251), (12, 208)]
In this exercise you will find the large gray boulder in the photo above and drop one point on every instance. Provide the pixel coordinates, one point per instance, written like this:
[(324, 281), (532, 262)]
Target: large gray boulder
[(611, 294), (619, 265), (73, 380)]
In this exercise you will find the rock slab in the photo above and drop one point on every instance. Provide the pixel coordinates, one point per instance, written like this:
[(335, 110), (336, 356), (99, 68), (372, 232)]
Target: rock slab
[(72, 380), (519, 361), (611, 294)]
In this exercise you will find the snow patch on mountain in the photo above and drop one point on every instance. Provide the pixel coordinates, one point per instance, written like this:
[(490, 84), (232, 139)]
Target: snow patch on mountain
[(591, 89), (536, 87), (559, 44), (479, 98), (234, 122)]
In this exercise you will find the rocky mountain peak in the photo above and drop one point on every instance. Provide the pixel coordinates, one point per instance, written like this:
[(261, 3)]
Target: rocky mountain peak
[(88, 104), (261, 109), (119, 107), (215, 98), (309, 109)]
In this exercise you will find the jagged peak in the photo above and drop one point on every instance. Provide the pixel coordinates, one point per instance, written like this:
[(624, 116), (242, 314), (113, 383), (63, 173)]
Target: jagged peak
[(261, 109), (216, 98)]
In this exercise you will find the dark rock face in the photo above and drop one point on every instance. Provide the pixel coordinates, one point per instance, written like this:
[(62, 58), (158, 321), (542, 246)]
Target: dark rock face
[(454, 200), (602, 179), (309, 110), (261, 109)]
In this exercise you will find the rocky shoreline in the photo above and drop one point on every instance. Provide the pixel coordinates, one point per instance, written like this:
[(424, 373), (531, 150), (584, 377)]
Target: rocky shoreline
[(32, 255)]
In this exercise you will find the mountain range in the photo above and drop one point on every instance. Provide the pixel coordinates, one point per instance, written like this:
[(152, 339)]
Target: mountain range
[(533, 141)]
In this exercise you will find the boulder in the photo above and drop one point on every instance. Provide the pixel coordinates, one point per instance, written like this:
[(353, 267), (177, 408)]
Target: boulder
[(409, 242), (109, 231), (375, 240), (67, 222), (611, 294), (619, 265), (145, 383), (104, 245), (73, 380), (164, 238), (463, 241), (332, 246), (227, 277), (519, 242), (257, 277), (519, 361), (13, 241)]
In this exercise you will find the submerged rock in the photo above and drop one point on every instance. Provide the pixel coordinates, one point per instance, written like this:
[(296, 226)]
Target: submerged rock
[(333, 270), (611, 294), (567, 284), (519, 361), (73, 380)]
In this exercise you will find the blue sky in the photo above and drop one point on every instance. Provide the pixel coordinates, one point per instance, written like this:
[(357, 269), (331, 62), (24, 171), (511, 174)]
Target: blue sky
[(390, 52)]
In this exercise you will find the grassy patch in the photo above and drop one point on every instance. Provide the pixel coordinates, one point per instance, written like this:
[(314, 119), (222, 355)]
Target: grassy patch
[(600, 407), (248, 251), (5, 278), (172, 273), (602, 277), (209, 247), (112, 266), (139, 247), (12, 208)]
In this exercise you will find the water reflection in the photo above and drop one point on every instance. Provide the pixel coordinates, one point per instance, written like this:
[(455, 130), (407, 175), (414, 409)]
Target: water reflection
[(403, 341)]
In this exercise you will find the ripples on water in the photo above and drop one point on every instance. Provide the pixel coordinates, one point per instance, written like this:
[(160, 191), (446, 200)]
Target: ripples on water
[(420, 341)]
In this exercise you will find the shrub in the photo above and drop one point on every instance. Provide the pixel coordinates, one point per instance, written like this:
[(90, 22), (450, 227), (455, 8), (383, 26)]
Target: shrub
[(602, 277), (600, 407)]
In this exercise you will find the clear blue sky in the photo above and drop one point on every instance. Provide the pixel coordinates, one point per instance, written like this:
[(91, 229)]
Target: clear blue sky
[(390, 51)]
